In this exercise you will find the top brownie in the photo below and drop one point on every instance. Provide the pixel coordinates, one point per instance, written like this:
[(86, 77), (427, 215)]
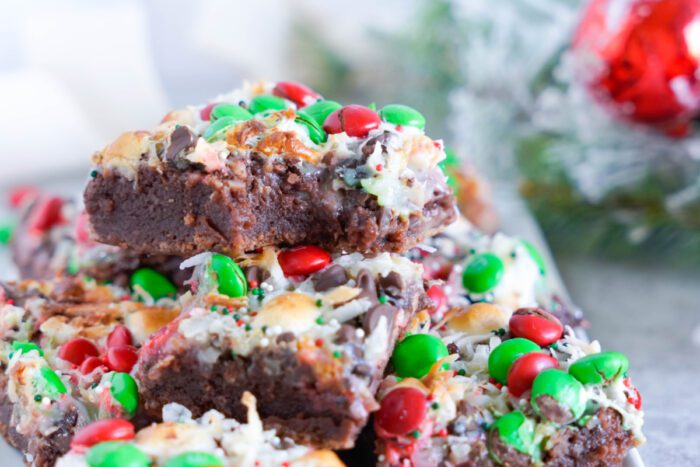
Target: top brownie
[(271, 164)]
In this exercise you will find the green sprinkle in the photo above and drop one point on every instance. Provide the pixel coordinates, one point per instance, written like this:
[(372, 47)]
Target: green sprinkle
[(462, 372), (382, 299), (233, 354), (38, 398), (415, 434), (247, 327), (319, 303), (236, 316), (435, 406), (213, 308), (445, 366), (93, 173), (554, 345), (372, 105), (225, 311), (319, 320), (264, 329), (337, 354)]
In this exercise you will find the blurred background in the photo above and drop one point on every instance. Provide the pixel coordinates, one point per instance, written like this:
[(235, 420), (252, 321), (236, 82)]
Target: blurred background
[(587, 113)]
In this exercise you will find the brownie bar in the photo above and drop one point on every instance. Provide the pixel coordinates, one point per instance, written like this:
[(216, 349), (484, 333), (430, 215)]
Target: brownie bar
[(576, 406), (270, 177), (51, 240), (46, 392), (211, 439), (310, 340)]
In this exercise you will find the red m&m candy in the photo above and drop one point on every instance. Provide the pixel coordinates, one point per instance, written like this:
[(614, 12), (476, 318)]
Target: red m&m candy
[(303, 260), (536, 324), (439, 299), (77, 350), (298, 93), (45, 214), (119, 336), (114, 429), (355, 120), (525, 369), (401, 411), (121, 358), (90, 364)]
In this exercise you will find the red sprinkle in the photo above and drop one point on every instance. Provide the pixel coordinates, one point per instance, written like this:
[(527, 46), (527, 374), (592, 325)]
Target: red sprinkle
[(439, 299), (253, 284), (379, 167), (442, 433), (319, 342), (82, 234)]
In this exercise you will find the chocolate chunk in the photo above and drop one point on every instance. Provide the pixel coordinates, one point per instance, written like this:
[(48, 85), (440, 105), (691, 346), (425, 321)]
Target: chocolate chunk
[(330, 277), (345, 334), (371, 319), (505, 454), (371, 144), (285, 337), (181, 139), (68, 290), (362, 369), (452, 348), (392, 284), (553, 410), (365, 282)]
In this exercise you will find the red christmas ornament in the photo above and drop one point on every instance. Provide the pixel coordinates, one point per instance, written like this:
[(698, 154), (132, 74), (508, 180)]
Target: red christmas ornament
[(650, 59)]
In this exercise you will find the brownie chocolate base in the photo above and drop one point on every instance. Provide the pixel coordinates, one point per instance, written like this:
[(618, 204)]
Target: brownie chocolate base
[(37, 449), (321, 412), (263, 201)]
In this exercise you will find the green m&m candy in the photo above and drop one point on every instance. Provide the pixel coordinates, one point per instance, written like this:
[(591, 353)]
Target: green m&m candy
[(415, 355), (218, 129), (316, 133), (155, 284), (266, 102), (398, 114), (535, 255), (53, 385), (512, 430), (319, 111), (194, 459), (599, 368), (26, 347), (116, 453), (231, 111), (230, 277), (557, 396), (482, 272), (503, 356), (125, 391)]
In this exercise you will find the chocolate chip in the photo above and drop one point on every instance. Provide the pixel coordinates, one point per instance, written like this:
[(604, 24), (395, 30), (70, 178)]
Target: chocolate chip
[(182, 138), (345, 334), (392, 284), (553, 410), (285, 337), (365, 282), (505, 454), (452, 348), (362, 369), (372, 317), (383, 139), (330, 277)]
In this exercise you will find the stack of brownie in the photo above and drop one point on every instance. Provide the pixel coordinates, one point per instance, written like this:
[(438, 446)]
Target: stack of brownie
[(253, 278)]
